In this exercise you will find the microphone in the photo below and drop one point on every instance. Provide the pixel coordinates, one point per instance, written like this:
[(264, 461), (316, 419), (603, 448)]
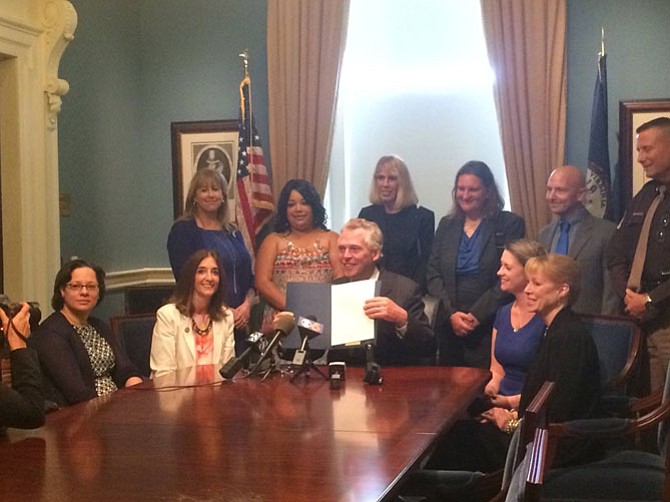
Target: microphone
[(234, 365), (308, 329), (283, 324)]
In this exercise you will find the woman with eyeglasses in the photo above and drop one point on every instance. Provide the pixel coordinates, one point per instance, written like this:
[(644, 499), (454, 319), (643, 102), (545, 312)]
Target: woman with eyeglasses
[(80, 357)]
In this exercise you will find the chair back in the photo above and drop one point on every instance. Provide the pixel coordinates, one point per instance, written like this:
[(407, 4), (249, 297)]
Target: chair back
[(518, 453), (134, 333), (618, 342)]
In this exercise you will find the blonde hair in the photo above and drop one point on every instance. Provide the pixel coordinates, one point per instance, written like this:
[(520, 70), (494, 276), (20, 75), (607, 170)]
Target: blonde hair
[(374, 239), (559, 269), (406, 196), (208, 177)]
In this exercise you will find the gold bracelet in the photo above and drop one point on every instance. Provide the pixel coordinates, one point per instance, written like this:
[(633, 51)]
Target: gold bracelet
[(511, 425)]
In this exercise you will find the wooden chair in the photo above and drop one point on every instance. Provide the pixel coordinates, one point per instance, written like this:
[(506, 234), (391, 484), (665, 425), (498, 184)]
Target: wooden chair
[(623, 475), (618, 340), (134, 332), (465, 485)]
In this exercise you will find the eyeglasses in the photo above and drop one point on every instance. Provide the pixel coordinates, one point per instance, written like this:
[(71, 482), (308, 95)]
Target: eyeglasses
[(78, 287)]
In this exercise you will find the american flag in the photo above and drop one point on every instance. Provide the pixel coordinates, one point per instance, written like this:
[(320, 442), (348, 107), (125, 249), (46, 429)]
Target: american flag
[(254, 204)]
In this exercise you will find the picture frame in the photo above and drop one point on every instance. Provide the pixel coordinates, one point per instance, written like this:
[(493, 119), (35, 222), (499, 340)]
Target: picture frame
[(632, 114), (199, 144)]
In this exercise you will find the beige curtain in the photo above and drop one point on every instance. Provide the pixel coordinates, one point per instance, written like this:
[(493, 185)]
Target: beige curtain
[(526, 46), (305, 44)]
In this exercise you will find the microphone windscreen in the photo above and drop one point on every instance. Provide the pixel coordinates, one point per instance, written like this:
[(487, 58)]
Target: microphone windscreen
[(284, 322)]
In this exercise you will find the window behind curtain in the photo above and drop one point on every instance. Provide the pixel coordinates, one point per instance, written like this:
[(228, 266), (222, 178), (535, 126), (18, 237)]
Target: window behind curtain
[(416, 82)]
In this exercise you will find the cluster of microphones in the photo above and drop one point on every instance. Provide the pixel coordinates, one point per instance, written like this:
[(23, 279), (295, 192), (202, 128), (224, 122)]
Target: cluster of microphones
[(282, 325), (260, 350)]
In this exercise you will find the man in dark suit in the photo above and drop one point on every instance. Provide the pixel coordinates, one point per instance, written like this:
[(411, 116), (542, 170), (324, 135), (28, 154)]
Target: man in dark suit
[(585, 240), (404, 336)]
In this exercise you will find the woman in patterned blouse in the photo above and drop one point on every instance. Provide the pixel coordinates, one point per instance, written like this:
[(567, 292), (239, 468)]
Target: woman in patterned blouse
[(301, 249), (80, 357)]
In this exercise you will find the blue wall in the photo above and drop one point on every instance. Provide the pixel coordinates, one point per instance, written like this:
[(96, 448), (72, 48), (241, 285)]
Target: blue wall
[(637, 44), (135, 66)]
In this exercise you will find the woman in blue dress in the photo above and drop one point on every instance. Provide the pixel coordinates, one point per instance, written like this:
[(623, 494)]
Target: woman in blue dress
[(205, 224), (517, 331)]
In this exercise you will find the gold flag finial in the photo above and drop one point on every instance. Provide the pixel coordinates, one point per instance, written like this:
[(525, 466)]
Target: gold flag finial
[(245, 59)]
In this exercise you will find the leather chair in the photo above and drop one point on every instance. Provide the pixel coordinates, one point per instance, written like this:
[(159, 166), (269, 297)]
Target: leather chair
[(134, 332), (623, 475), (618, 341), (434, 485)]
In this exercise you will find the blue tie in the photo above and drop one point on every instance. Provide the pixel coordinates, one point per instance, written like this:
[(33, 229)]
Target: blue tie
[(562, 244)]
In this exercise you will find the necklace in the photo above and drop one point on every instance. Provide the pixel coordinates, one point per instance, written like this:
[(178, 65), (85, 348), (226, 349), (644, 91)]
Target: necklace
[(200, 331), (515, 329)]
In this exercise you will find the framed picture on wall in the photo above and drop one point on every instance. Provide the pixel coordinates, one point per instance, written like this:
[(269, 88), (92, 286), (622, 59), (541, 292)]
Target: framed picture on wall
[(202, 144), (632, 114)]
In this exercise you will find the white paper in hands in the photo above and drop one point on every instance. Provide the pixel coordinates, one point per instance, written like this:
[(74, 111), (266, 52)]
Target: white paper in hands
[(349, 324)]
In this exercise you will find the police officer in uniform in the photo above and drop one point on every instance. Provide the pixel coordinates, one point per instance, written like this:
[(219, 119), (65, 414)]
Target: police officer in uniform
[(647, 299)]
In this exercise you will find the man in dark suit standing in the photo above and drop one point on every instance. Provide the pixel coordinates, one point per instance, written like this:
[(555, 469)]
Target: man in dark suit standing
[(404, 336), (583, 237)]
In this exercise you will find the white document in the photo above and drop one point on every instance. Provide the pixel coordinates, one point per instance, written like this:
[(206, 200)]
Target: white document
[(349, 324)]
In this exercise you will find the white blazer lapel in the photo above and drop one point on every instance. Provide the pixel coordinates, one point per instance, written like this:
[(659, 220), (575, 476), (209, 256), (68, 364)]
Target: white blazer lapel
[(189, 340)]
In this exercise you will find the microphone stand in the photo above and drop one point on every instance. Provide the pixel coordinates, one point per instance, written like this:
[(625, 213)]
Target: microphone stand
[(373, 372), (303, 360), (267, 355)]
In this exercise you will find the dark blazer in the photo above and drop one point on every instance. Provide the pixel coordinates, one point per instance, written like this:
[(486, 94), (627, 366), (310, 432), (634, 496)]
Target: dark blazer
[(441, 271), (416, 347), (418, 344), (23, 404), (66, 367), (408, 239), (568, 357), (587, 248)]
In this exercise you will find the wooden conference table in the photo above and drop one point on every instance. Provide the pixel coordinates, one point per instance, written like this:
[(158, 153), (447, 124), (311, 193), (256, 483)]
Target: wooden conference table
[(242, 440)]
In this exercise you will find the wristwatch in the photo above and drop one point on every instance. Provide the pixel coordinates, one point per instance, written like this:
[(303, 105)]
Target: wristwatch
[(648, 303)]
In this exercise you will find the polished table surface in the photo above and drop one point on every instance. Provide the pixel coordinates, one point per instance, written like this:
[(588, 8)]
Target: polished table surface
[(242, 440)]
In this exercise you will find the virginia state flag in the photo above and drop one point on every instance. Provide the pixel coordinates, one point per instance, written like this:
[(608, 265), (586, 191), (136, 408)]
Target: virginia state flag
[(598, 171)]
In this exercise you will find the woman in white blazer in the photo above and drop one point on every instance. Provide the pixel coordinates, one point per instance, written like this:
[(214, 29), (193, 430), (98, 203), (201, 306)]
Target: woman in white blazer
[(195, 328)]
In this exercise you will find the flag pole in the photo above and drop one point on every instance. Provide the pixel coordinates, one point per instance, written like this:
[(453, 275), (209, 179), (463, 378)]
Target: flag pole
[(246, 80)]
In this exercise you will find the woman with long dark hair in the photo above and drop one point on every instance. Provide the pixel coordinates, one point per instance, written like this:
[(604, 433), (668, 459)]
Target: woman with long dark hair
[(301, 249), (195, 328)]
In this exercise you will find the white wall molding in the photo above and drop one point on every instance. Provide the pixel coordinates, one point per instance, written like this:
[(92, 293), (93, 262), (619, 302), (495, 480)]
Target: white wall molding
[(122, 279)]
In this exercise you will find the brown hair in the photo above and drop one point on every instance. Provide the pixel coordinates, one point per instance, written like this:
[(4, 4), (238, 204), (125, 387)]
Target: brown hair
[(183, 292), (494, 202), (525, 249), (65, 274)]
